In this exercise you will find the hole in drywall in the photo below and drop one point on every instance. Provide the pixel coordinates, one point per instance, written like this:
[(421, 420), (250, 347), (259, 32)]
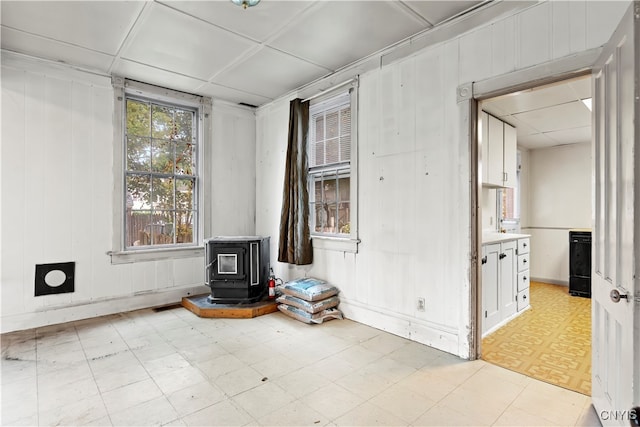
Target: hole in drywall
[(55, 278)]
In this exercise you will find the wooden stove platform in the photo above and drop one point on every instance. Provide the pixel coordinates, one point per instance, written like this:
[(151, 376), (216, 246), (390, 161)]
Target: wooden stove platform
[(201, 307)]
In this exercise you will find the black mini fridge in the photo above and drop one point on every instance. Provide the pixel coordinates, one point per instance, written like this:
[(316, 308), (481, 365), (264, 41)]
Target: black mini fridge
[(580, 263)]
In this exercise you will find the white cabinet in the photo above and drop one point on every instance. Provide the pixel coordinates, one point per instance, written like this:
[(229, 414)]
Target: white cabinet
[(505, 281), (490, 286), (499, 286), (523, 274), (499, 152)]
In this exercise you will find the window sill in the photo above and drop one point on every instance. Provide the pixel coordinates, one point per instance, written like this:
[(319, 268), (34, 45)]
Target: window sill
[(335, 244), (143, 255)]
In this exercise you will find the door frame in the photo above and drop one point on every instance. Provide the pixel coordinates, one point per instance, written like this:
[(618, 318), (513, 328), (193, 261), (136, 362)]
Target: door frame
[(469, 97)]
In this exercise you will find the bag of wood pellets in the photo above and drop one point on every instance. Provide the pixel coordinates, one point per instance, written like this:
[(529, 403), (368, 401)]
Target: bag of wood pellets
[(309, 306), (309, 289), (303, 316)]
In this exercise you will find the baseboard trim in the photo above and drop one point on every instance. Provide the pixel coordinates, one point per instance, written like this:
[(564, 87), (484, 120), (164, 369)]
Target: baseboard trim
[(437, 336), (57, 315), (551, 281)]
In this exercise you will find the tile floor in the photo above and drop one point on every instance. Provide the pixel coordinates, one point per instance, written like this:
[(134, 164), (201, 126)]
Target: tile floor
[(173, 368), (550, 342)]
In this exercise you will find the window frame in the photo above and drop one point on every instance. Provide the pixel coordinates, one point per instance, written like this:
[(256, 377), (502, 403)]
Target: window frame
[(511, 224), (334, 241), (123, 89)]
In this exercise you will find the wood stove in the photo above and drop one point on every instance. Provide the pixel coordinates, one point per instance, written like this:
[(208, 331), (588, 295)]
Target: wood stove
[(237, 268)]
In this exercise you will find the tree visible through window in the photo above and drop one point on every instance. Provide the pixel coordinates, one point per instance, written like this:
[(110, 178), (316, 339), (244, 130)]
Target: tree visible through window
[(160, 173), (330, 166)]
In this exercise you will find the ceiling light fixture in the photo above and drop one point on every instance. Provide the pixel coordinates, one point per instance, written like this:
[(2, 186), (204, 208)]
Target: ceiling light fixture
[(245, 3)]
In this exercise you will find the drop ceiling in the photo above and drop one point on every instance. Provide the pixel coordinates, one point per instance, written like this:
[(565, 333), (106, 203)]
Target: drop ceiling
[(216, 48), (547, 116)]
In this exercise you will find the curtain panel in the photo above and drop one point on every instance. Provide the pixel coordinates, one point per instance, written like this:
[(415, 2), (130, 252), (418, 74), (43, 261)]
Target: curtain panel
[(294, 246)]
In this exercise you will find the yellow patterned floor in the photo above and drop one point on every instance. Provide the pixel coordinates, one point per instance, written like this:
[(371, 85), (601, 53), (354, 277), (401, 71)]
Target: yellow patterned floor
[(551, 341)]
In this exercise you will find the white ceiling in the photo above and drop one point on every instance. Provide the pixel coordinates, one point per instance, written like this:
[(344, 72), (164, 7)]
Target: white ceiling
[(547, 116), (216, 48)]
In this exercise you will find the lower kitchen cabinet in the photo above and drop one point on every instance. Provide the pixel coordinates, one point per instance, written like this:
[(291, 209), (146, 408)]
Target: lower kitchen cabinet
[(505, 283)]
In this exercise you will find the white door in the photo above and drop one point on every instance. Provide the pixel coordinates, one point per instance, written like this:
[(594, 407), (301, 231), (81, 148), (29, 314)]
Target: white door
[(616, 232)]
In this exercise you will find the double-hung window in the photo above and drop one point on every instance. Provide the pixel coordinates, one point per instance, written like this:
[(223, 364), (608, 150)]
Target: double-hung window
[(161, 179), (331, 180), (161, 169)]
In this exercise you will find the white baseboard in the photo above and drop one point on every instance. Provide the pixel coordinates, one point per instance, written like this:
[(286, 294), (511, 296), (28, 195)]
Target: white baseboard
[(437, 336), (56, 315), (551, 281)]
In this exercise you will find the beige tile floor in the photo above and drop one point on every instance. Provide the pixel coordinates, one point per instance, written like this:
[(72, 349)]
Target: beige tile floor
[(173, 368)]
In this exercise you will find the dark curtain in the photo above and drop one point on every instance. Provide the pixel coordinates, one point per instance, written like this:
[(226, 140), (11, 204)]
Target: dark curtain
[(294, 246)]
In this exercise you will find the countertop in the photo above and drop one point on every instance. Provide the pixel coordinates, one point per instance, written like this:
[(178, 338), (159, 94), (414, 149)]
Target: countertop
[(501, 237)]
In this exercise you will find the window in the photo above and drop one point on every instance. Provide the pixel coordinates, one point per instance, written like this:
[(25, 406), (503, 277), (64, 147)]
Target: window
[(509, 204), (161, 173), (162, 167), (330, 143)]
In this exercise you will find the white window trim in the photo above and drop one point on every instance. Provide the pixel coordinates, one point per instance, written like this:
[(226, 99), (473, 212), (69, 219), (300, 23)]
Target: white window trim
[(347, 243), (118, 254)]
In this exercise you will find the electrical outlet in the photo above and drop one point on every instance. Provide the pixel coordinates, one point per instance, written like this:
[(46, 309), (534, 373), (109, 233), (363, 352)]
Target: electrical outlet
[(420, 304)]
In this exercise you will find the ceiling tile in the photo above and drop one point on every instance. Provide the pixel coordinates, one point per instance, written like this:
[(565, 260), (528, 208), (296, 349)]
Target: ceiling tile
[(581, 87), (231, 95), (533, 99), (338, 33), (437, 11), (18, 41), (155, 76), (96, 25), (563, 116), (538, 140), (571, 136), (257, 22), (171, 40), (269, 73), (522, 128)]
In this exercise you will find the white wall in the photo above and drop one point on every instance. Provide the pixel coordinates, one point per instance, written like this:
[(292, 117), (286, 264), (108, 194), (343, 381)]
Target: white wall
[(560, 199), (414, 224), (57, 197)]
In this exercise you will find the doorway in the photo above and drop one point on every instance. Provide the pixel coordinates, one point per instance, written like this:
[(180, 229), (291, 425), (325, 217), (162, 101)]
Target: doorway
[(547, 337)]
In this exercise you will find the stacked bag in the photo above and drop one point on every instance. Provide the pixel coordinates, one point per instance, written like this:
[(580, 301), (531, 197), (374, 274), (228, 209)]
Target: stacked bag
[(309, 300)]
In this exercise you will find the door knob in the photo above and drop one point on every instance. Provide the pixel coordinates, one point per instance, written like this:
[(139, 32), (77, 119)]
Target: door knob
[(616, 296), (502, 256)]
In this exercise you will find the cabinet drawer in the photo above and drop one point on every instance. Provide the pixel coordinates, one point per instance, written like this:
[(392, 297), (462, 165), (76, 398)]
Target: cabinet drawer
[(523, 280), (523, 262), (523, 246), (523, 299)]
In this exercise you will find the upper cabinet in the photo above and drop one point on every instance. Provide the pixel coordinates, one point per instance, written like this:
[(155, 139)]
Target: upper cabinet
[(499, 152)]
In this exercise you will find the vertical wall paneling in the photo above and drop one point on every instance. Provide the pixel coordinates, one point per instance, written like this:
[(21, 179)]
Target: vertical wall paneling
[(534, 32), (561, 29), (14, 199), (233, 156), (503, 57), (106, 278), (415, 228), (599, 17), (57, 202), (476, 55), (57, 185), (81, 187)]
